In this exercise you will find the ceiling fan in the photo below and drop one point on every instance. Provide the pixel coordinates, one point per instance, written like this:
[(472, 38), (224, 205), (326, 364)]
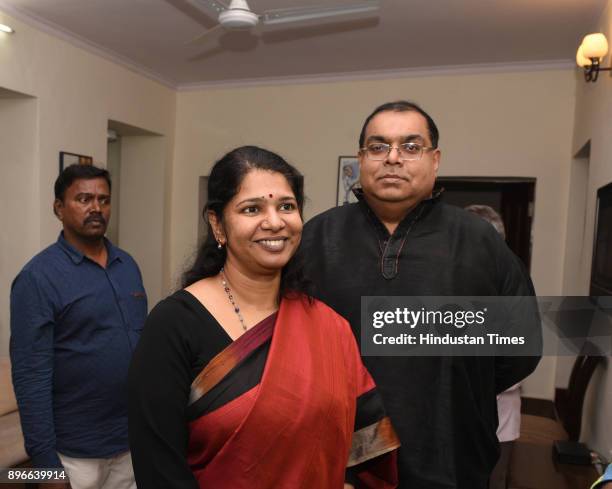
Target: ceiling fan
[(238, 15)]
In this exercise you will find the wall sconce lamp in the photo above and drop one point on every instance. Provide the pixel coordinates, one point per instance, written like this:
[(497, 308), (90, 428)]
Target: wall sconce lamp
[(589, 55)]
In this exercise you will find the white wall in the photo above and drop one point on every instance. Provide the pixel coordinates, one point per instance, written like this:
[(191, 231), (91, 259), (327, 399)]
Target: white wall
[(76, 93), (19, 196), (142, 211), (491, 124), (593, 123)]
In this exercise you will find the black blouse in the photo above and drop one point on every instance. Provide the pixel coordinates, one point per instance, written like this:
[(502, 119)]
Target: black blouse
[(184, 336)]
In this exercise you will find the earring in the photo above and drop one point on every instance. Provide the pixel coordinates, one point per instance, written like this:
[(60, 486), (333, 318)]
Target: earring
[(219, 246)]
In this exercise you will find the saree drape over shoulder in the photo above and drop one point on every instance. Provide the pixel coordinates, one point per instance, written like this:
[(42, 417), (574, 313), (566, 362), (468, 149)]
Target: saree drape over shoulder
[(287, 405)]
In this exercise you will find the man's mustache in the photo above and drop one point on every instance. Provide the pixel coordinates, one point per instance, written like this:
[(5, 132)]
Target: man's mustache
[(95, 218)]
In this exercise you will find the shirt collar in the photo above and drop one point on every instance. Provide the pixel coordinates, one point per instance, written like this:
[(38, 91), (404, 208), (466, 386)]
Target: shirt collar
[(77, 257)]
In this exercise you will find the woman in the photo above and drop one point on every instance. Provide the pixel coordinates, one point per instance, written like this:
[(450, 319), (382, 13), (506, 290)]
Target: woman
[(240, 380)]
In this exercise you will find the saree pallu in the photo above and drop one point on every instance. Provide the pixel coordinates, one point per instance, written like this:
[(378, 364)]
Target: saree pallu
[(289, 405)]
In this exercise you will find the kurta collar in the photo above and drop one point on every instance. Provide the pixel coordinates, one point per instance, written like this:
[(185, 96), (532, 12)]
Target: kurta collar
[(391, 245)]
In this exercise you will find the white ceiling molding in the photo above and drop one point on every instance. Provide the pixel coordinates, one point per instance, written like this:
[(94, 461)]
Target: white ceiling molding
[(475, 69)]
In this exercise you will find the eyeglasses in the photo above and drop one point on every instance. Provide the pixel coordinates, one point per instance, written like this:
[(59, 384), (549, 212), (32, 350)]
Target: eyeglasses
[(406, 151)]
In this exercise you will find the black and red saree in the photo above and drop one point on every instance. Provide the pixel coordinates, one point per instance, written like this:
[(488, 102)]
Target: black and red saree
[(287, 405)]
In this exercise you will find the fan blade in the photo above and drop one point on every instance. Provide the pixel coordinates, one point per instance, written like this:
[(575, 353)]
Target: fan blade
[(294, 32), (204, 36), (212, 8), (300, 14)]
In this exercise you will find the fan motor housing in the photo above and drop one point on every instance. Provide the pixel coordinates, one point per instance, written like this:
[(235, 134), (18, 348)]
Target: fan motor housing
[(238, 19)]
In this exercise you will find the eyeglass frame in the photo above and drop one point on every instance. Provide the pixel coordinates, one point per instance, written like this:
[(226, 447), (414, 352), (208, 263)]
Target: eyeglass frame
[(399, 153)]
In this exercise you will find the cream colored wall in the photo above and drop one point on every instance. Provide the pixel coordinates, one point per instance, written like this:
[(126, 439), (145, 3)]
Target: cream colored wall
[(493, 124), (76, 94), (593, 123), (140, 226), (19, 196)]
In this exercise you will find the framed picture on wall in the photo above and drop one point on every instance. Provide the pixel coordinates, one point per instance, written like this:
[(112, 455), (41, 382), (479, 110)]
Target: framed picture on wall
[(348, 178), (67, 159)]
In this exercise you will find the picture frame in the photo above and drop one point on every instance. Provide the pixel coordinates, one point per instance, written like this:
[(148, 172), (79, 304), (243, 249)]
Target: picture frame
[(348, 178), (67, 159)]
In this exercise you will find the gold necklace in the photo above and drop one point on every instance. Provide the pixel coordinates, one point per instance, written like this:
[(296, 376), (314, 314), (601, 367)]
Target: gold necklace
[(228, 291)]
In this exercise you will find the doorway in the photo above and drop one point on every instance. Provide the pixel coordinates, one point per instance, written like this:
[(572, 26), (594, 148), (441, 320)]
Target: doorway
[(137, 160), (513, 199), (19, 187)]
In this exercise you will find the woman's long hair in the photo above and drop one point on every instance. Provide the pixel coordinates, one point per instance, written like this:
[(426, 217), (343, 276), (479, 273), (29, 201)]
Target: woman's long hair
[(224, 183)]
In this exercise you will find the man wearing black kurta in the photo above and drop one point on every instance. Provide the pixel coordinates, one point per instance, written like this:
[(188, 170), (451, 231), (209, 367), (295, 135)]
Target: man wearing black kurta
[(401, 240)]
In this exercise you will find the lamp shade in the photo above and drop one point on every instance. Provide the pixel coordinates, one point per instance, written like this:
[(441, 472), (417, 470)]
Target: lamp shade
[(581, 59), (595, 46)]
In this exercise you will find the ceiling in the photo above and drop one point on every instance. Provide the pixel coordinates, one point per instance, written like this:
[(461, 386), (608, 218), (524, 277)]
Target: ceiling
[(152, 35)]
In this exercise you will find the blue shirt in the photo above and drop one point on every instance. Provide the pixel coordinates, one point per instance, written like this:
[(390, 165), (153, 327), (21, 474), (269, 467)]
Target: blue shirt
[(74, 327)]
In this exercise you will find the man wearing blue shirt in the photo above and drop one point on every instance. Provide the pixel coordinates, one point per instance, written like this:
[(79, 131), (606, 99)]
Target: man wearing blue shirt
[(77, 309)]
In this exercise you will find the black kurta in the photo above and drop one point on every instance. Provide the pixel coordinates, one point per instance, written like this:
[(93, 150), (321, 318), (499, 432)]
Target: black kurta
[(443, 408)]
